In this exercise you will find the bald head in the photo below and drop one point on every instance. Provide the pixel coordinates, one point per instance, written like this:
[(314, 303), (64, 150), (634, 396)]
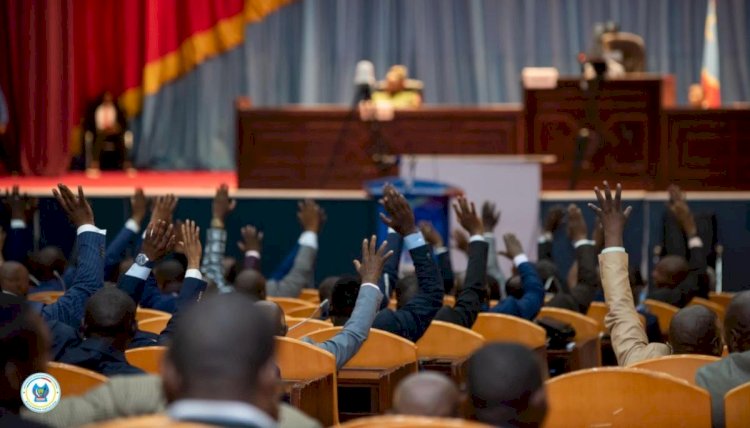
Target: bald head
[(14, 278), (275, 314), (737, 323), (222, 349), (505, 385), (695, 330), (47, 261), (252, 283), (426, 394), (670, 271)]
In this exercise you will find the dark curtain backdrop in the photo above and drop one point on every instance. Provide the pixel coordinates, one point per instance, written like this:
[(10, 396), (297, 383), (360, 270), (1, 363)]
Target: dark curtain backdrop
[(472, 51)]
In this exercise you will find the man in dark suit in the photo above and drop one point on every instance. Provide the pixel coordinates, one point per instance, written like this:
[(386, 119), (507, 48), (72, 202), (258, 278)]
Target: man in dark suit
[(528, 304), (106, 129)]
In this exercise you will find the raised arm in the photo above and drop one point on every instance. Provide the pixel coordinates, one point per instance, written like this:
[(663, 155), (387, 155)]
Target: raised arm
[(552, 222), (129, 232), (533, 290), (159, 240), (216, 238), (490, 219), (89, 275), (347, 343), (629, 339), (696, 283), (19, 240), (311, 217), (412, 320), (585, 251), (442, 254), (251, 246)]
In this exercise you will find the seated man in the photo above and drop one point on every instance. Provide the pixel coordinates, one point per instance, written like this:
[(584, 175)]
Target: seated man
[(733, 370), (108, 327), (47, 266), (427, 394), (398, 90), (692, 330), (106, 130), (519, 399), (532, 300)]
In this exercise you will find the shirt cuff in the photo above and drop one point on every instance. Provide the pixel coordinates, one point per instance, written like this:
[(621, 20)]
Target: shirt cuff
[(520, 259), (545, 237), (695, 242), (475, 238), (193, 273), (613, 250), (441, 250), (137, 271), (369, 284), (132, 225), (391, 230), (414, 240), (90, 228), (252, 253), (17, 224), (308, 239), (582, 242)]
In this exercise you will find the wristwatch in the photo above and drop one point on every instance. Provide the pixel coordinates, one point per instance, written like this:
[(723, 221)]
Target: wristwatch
[(143, 261)]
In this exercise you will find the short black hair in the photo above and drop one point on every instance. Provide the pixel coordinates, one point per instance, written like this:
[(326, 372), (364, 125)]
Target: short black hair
[(406, 288), (343, 298), (695, 330), (737, 323), (109, 313)]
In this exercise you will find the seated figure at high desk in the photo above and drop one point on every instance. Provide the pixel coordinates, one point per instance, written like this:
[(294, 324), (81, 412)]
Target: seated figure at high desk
[(398, 90), (106, 131)]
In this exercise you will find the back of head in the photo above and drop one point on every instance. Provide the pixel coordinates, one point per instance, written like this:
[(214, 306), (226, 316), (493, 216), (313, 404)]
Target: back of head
[(48, 261), (695, 330), (343, 299), (737, 323), (514, 287), (14, 278), (24, 347), (406, 288), (169, 275), (275, 314), (222, 349), (427, 394), (325, 289), (252, 283), (110, 313), (505, 385), (670, 271)]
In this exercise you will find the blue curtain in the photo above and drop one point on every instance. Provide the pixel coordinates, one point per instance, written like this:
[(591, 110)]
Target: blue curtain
[(465, 51)]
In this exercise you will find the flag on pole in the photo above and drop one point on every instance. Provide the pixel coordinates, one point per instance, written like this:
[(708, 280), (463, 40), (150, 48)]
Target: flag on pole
[(710, 67)]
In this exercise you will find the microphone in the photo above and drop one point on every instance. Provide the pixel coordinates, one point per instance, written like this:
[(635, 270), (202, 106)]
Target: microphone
[(322, 305), (364, 79)]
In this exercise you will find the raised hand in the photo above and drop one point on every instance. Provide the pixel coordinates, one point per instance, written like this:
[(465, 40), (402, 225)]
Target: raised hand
[(191, 244), (252, 239), (76, 207), (611, 214), (311, 216), (431, 235), (577, 228), (222, 205), (461, 240), (159, 240), (138, 206), (679, 207), (373, 260), (513, 246), (21, 207), (554, 218), (163, 208), (467, 216), (490, 216), (401, 216)]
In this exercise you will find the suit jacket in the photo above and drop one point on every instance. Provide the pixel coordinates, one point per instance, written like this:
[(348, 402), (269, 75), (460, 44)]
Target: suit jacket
[(346, 344), (629, 339), (116, 250), (493, 267), (147, 294), (579, 298), (387, 282), (300, 276), (533, 295), (469, 300), (720, 377), (126, 396), (97, 355), (695, 285), (412, 320), (18, 244), (51, 285)]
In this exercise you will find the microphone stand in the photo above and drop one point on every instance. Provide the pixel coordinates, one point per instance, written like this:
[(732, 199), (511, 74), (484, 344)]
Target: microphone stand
[(363, 93)]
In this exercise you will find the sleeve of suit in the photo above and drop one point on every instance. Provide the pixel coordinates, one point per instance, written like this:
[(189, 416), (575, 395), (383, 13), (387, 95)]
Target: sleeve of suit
[(346, 344), (469, 300), (213, 253), (302, 272), (674, 238), (629, 339), (588, 279), (89, 277), (286, 265), (192, 290), (446, 270), (388, 279), (528, 306), (412, 319), (493, 266), (544, 248), (116, 249), (152, 297), (18, 242)]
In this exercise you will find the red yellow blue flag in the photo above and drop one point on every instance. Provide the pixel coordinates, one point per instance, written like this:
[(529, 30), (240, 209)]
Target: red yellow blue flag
[(710, 67)]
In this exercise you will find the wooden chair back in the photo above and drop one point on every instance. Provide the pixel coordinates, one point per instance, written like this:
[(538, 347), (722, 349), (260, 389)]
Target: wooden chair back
[(142, 314), (74, 380), (297, 330), (148, 358), (621, 397), (310, 295), (380, 350), (154, 325), (737, 407), (448, 340), (721, 298), (300, 361), (288, 304), (680, 366), (403, 421), (597, 311), (507, 328), (713, 306), (588, 350), (160, 420), (663, 312), (46, 297)]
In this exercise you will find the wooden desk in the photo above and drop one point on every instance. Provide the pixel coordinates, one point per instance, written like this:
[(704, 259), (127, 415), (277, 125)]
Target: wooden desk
[(314, 397), (368, 392)]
